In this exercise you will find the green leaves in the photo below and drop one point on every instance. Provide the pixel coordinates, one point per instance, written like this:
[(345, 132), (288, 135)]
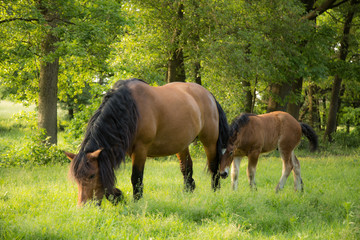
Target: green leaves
[(86, 31)]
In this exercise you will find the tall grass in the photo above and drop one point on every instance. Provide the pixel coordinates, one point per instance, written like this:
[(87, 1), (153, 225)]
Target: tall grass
[(40, 203)]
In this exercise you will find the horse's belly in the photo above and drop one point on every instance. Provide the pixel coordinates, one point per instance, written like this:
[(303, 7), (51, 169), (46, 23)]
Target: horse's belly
[(166, 148)]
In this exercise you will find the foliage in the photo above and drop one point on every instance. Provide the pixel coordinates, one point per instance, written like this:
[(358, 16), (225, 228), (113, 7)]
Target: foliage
[(35, 152), (85, 30), (76, 126)]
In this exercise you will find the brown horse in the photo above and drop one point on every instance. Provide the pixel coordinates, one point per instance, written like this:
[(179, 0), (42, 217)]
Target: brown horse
[(252, 134), (144, 121)]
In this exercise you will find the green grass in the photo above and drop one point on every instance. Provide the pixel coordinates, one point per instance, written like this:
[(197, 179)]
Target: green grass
[(40, 203)]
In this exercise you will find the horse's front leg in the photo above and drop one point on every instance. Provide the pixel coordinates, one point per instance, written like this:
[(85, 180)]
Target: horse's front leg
[(186, 167), (138, 164), (213, 163)]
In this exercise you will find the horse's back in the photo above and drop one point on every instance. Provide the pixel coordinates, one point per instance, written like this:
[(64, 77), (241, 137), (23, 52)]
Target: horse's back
[(286, 130), (266, 131), (171, 116)]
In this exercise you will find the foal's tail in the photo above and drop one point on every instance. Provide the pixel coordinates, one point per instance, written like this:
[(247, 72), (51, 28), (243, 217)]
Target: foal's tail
[(311, 135), (222, 139)]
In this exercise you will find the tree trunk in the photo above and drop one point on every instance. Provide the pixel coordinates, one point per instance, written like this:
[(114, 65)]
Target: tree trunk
[(49, 68), (294, 108), (176, 66), (47, 112), (248, 96), (277, 99), (247, 84), (335, 92), (311, 105), (197, 75)]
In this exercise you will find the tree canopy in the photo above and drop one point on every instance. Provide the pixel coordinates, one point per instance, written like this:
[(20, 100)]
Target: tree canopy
[(254, 56)]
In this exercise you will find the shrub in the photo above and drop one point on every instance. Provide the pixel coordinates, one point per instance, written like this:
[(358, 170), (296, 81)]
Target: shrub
[(36, 151)]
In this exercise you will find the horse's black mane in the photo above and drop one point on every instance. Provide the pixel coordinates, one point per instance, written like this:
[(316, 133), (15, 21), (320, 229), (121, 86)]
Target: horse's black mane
[(239, 122), (111, 128)]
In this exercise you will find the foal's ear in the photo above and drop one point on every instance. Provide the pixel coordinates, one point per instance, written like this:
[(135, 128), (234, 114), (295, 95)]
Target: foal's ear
[(70, 156), (94, 155)]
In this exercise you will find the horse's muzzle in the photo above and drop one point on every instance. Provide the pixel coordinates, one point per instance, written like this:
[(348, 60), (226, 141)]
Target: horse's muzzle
[(225, 173)]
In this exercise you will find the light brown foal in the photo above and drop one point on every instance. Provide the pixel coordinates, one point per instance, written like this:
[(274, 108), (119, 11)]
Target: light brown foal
[(251, 135)]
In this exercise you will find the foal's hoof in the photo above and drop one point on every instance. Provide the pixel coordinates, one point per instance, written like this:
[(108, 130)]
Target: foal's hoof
[(115, 197)]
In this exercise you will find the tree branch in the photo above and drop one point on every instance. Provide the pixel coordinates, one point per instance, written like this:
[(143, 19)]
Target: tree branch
[(34, 20), (21, 19), (326, 5)]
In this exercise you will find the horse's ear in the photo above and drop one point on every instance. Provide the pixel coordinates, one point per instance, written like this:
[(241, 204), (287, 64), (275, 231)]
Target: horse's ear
[(70, 156), (94, 155)]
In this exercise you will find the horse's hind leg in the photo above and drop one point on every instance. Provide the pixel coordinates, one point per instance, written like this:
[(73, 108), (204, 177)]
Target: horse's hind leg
[(298, 183), (186, 167), (286, 169), (235, 172)]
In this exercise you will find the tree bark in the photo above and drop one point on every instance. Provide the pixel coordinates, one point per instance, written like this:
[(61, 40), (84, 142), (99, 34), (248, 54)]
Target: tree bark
[(294, 108), (176, 66), (325, 5), (197, 74), (49, 68), (277, 101), (314, 118), (248, 96), (335, 92)]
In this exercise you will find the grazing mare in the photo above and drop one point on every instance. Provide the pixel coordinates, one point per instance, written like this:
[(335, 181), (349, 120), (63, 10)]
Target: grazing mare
[(142, 121), (251, 135)]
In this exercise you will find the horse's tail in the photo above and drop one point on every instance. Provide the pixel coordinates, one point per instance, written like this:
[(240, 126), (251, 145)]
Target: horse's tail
[(311, 135), (223, 137)]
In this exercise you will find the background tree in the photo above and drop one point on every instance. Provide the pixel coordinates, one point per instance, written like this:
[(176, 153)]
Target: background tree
[(342, 56), (36, 34), (254, 56)]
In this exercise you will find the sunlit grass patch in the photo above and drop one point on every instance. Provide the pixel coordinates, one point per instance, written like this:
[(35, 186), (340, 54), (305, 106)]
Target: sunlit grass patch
[(40, 202)]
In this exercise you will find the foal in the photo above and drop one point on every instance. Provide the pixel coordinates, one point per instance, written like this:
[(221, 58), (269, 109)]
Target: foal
[(251, 135)]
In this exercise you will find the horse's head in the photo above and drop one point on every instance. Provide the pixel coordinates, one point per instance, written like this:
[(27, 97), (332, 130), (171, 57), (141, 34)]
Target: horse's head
[(226, 160), (88, 177)]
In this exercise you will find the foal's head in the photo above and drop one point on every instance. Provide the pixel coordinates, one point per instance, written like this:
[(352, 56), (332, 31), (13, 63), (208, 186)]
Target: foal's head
[(226, 159), (228, 153)]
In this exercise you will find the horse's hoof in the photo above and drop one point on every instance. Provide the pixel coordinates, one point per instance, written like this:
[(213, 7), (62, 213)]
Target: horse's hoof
[(190, 186), (115, 197)]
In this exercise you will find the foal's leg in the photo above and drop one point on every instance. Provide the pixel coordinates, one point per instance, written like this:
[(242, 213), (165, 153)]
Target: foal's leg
[(286, 169), (138, 164), (186, 167), (251, 169), (235, 172), (298, 183)]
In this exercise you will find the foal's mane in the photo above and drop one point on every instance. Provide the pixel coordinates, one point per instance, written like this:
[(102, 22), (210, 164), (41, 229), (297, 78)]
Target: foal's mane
[(239, 122), (111, 128)]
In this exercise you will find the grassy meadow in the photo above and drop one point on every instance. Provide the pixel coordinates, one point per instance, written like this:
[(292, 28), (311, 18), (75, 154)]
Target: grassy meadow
[(39, 202)]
